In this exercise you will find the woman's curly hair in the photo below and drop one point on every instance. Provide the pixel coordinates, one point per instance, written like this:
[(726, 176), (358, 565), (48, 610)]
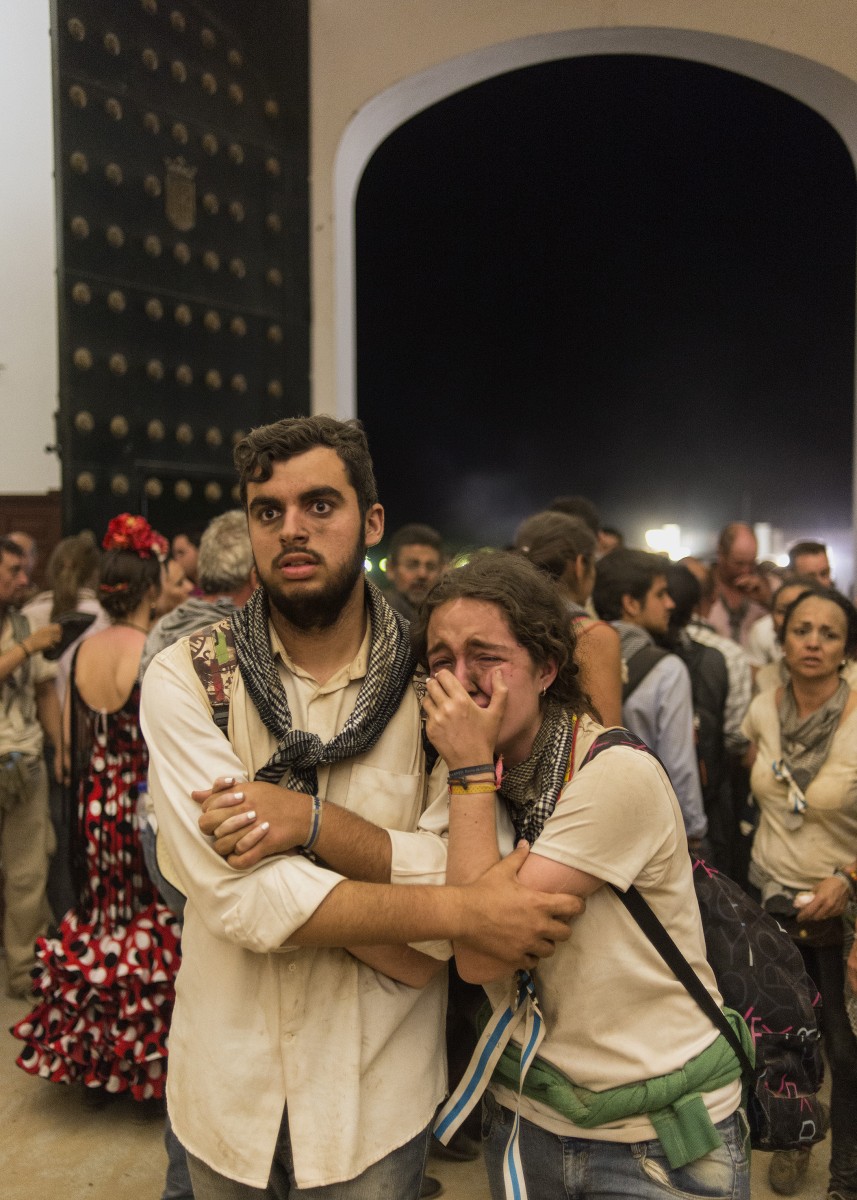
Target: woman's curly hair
[(533, 608)]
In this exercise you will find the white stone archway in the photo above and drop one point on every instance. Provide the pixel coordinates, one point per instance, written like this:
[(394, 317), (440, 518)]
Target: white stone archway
[(829, 93)]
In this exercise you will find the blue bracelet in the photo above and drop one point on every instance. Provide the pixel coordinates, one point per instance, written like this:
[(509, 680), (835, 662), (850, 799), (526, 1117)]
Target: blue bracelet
[(314, 825)]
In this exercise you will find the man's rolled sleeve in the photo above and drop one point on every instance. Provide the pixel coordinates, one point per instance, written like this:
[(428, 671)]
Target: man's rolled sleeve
[(421, 857)]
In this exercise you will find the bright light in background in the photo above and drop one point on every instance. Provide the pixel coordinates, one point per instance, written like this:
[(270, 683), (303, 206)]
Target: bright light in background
[(701, 540), (382, 565), (667, 540), (367, 564)]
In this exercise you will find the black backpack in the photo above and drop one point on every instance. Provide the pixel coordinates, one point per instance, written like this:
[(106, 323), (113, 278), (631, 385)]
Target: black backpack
[(709, 683), (639, 665), (760, 974)]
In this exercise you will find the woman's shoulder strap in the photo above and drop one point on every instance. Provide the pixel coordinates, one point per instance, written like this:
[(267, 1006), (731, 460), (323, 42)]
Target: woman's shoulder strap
[(619, 737)]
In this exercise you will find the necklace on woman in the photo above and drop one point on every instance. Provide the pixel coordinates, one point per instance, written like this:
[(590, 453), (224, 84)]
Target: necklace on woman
[(131, 625)]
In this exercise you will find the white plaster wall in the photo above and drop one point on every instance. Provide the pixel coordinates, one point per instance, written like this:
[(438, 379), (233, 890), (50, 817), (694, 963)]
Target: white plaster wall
[(28, 310)]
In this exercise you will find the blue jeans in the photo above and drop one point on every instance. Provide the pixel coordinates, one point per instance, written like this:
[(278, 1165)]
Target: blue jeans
[(171, 896), (568, 1168), (397, 1176), (177, 1185)]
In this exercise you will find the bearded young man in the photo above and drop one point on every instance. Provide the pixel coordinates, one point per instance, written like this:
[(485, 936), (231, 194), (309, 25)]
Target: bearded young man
[(297, 1068)]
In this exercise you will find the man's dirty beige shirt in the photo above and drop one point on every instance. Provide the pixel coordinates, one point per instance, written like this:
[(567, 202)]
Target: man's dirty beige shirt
[(358, 1058)]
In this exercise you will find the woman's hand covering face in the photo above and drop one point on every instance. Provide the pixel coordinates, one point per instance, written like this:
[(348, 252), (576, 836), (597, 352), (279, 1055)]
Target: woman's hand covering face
[(463, 732)]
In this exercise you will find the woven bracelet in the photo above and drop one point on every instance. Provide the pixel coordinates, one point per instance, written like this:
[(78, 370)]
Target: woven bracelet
[(475, 789), (464, 772)]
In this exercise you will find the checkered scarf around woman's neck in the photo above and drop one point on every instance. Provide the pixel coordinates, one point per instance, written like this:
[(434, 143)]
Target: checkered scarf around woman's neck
[(298, 753), (532, 788)]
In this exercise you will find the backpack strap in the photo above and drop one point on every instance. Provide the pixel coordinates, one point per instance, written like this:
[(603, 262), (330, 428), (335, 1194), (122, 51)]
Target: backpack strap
[(639, 665), (618, 737), (212, 652), (650, 924)]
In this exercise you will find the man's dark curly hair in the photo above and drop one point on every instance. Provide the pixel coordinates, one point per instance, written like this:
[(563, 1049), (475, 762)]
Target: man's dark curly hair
[(256, 454), (532, 606)]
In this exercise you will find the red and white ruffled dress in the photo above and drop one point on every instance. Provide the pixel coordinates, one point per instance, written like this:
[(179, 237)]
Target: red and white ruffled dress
[(105, 983)]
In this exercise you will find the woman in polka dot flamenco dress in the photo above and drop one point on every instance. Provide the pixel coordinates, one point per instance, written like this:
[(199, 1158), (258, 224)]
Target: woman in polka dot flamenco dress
[(105, 982)]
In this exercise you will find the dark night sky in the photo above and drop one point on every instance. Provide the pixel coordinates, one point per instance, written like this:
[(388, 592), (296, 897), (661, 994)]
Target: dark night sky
[(624, 276)]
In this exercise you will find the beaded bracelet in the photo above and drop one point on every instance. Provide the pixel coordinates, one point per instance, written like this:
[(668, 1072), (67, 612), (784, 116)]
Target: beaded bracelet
[(314, 825), (464, 772), (475, 789)]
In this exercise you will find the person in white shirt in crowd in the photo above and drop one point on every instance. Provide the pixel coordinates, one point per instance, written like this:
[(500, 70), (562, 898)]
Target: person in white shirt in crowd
[(307, 1044)]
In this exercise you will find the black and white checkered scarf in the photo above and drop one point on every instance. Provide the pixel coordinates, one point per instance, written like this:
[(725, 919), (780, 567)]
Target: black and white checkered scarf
[(532, 788), (298, 754)]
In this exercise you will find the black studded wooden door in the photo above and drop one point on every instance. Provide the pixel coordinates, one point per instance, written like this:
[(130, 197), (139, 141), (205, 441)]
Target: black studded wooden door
[(182, 190)]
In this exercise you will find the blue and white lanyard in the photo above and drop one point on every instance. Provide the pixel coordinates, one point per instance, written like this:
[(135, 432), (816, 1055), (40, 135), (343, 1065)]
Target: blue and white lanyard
[(523, 1007)]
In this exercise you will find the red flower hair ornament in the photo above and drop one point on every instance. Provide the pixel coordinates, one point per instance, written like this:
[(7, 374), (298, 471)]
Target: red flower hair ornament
[(127, 532)]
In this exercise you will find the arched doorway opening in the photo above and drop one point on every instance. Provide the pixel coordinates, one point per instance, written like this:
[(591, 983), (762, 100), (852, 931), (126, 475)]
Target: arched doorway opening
[(625, 278)]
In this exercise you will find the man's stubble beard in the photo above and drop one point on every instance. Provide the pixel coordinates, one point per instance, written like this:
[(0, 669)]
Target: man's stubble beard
[(313, 611)]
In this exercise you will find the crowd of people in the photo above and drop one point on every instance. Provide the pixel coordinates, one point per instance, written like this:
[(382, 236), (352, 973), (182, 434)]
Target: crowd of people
[(236, 753)]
